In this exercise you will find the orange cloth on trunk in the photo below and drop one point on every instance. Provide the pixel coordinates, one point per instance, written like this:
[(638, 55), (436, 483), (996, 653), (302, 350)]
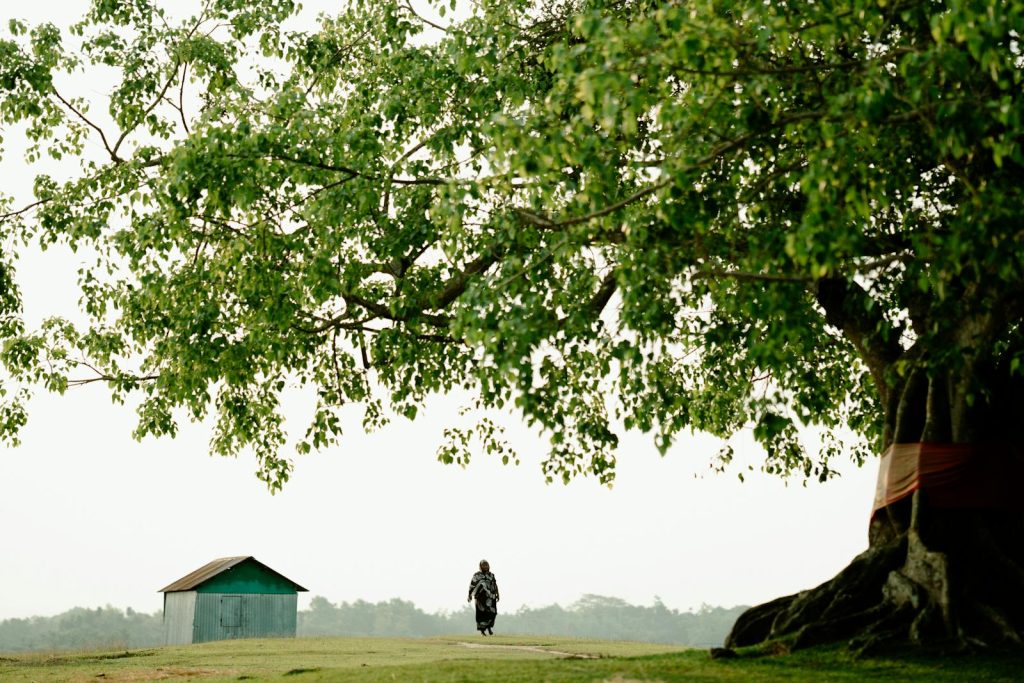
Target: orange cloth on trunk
[(953, 475)]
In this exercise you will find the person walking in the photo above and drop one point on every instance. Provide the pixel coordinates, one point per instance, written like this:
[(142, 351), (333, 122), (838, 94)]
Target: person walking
[(483, 588)]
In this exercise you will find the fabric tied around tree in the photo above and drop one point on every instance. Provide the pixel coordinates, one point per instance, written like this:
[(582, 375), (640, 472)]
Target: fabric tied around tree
[(983, 476)]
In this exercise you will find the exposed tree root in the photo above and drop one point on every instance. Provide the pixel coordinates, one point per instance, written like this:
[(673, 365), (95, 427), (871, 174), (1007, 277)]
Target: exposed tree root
[(957, 582)]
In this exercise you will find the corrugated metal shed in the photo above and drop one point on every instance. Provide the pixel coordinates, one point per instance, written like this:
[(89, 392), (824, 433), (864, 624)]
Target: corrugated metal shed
[(231, 597)]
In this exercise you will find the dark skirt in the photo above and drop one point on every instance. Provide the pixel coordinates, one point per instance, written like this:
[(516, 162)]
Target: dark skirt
[(485, 618)]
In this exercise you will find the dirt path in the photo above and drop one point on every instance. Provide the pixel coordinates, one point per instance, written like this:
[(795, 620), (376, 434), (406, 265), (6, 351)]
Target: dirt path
[(529, 648)]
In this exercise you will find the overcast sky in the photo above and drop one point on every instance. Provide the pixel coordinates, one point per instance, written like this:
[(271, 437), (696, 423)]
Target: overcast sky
[(90, 517)]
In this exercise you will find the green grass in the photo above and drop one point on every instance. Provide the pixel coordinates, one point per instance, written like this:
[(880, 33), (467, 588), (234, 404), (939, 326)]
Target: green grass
[(522, 659)]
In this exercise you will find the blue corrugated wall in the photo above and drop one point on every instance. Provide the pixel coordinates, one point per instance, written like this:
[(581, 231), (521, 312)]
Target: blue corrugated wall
[(224, 616)]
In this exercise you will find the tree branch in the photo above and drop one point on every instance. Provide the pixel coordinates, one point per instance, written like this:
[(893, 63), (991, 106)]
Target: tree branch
[(543, 222), (710, 273), (181, 98), (111, 379), (103, 137), (595, 306), (456, 285), (444, 29), (104, 377), (716, 152), (152, 105), (797, 69), (848, 307), (382, 311), (24, 209), (349, 170)]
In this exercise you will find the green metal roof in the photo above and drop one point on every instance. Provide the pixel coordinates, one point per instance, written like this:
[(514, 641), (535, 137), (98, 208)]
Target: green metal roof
[(239, 574)]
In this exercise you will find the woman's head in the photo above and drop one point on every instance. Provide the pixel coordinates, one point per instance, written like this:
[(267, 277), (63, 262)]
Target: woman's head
[(485, 566)]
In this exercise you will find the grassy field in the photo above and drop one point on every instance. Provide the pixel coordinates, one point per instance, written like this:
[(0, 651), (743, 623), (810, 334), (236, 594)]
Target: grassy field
[(468, 659)]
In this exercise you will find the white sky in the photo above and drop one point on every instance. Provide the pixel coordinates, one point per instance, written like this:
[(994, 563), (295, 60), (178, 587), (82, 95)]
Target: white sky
[(90, 517)]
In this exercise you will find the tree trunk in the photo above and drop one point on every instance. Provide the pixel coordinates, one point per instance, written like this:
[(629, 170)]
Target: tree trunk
[(945, 562)]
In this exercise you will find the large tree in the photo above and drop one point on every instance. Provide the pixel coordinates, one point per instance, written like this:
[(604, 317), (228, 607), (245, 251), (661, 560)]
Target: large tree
[(661, 216)]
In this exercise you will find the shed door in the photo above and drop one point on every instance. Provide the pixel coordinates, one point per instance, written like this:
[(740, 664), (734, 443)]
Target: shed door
[(231, 611)]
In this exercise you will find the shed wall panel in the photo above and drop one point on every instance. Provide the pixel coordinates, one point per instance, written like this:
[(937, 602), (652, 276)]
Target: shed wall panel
[(179, 615), (225, 616)]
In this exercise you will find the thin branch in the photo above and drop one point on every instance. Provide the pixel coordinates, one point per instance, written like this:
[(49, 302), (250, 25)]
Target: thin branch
[(104, 377), (382, 311), (412, 150), (181, 98), (426, 180), (111, 379), (336, 324), (716, 152), (428, 22), (317, 191), (351, 171), (152, 105), (527, 268), (877, 263), (106, 145), (386, 201), (24, 209), (612, 208), (710, 273), (334, 359), (799, 69), (224, 224), (596, 305)]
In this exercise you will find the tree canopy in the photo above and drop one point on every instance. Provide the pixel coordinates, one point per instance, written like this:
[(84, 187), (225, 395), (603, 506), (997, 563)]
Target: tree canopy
[(607, 215)]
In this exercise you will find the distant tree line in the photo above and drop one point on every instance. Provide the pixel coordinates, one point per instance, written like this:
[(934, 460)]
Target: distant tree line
[(83, 628), (593, 616)]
